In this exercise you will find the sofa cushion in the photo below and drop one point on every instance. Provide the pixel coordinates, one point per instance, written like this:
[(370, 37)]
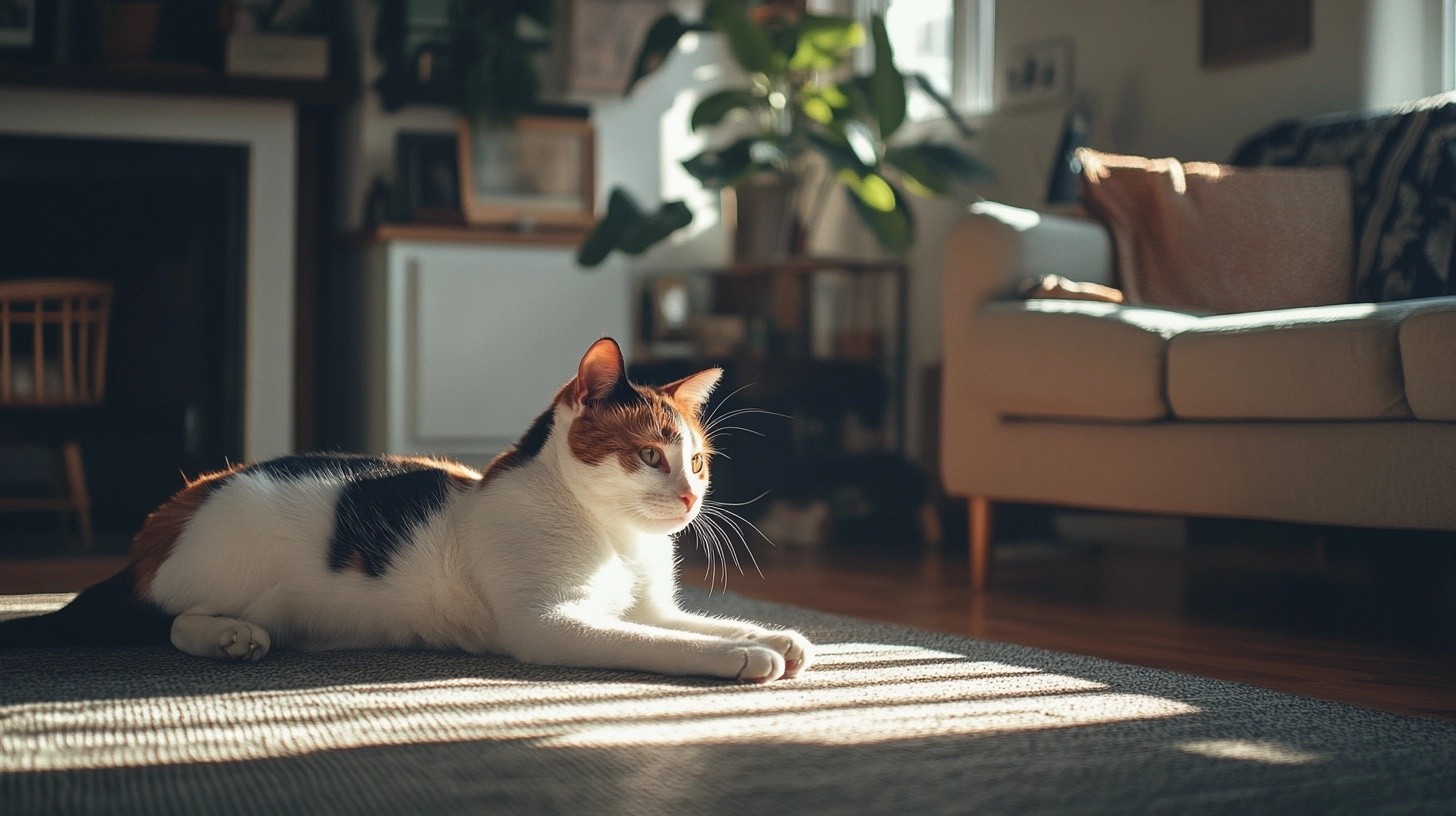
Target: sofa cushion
[(1324, 363), (1206, 236), (1073, 359), (1428, 357)]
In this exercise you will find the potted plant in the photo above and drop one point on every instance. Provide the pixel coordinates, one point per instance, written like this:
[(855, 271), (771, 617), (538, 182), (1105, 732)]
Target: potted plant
[(815, 126)]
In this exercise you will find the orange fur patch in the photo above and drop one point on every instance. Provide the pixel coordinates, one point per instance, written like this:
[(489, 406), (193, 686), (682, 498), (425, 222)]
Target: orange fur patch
[(461, 473), (159, 533), (623, 430)]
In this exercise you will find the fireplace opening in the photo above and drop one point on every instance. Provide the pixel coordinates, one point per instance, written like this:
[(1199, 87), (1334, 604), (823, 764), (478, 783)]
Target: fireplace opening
[(165, 223)]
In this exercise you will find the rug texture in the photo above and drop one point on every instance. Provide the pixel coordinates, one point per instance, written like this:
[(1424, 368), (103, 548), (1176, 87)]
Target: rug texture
[(891, 720)]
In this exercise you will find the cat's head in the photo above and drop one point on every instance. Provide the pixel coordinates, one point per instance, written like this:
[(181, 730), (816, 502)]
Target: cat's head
[(639, 453)]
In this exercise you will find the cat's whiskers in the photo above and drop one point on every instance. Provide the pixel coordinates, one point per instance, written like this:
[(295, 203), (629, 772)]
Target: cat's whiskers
[(706, 538), (716, 511)]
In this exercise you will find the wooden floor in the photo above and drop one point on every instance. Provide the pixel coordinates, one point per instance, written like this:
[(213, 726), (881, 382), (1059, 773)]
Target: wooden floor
[(1152, 629), (1130, 607)]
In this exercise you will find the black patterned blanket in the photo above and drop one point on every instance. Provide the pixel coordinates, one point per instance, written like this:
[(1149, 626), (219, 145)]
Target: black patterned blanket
[(1403, 170)]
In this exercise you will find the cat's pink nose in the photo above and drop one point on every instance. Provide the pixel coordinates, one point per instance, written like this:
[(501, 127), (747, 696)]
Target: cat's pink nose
[(687, 499)]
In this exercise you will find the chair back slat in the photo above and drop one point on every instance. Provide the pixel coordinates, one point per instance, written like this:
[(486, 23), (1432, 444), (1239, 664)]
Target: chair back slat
[(65, 324)]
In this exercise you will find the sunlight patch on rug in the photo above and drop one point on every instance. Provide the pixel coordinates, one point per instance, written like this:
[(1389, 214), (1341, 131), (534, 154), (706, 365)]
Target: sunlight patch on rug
[(858, 693), (1269, 753), (13, 606)]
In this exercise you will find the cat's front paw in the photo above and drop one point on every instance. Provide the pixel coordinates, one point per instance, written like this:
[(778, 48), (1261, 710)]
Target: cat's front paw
[(797, 651), (760, 664)]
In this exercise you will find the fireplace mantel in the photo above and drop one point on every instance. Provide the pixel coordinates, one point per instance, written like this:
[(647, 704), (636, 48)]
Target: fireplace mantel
[(267, 127)]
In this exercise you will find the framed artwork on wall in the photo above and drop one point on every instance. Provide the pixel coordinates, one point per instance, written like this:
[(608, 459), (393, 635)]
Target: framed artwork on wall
[(1037, 73), (539, 171), (1240, 31)]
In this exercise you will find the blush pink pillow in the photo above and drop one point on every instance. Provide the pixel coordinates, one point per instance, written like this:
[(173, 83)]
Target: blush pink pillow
[(1215, 238)]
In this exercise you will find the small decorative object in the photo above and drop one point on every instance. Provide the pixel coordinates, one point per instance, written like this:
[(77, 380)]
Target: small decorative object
[(598, 42), (27, 30), (672, 307), (1240, 31), (1066, 167), (1037, 73), (427, 176), (537, 171), (813, 127)]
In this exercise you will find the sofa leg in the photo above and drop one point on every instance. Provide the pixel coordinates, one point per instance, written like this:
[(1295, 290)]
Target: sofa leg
[(980, 542)]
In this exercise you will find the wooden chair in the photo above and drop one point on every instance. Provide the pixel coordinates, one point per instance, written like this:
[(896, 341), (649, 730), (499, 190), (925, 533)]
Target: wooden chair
[(53, 364)]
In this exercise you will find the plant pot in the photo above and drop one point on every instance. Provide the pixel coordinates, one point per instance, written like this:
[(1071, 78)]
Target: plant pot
[(762, 221)]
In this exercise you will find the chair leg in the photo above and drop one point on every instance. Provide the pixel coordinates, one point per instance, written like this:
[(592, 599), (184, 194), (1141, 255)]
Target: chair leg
[(76, 490), (980, 542)]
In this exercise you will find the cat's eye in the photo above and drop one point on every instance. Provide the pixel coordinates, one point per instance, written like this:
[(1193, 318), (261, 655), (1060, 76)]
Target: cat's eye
[(698, 463), (652, 457)]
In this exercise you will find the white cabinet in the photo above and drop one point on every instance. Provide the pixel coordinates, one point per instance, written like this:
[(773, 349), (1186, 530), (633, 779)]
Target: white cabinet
[(456, 347)]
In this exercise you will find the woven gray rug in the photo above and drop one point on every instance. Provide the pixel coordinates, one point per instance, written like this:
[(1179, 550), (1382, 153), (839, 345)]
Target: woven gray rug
[(892, 720)]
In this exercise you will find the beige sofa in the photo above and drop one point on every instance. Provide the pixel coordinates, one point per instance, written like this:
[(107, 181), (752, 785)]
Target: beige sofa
[(1336, 415)]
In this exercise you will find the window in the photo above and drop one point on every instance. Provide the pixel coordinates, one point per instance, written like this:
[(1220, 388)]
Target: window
[(1448, 45), (950, 42)]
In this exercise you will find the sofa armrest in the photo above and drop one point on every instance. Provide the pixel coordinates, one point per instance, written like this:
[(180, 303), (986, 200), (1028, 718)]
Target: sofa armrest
[(987, 254), (996, 248)]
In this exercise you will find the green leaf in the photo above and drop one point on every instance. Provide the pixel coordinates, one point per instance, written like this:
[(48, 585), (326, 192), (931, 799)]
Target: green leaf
[(837, 151), (871, 189), (966, 131), (625, 227), (861, 140), (646, 232), (924, 178), (822, 103), (749, 44), (886, 85), (824, 42), (718, 168), (893, 228), (715, 106), (661, 38), (622, 213), (933, 165)]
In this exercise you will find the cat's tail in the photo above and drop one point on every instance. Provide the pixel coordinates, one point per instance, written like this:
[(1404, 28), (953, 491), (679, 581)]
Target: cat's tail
[(107, 614)]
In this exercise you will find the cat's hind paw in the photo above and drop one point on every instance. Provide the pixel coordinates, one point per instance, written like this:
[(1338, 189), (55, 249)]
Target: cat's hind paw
[(797, 651), (220, 638), (760, 664)]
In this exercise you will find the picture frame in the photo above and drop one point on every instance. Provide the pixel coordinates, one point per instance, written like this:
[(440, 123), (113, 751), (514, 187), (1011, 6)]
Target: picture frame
[(597, 43), (537, 172), (1241, 31), (1037, 73), (28, 30), (427, 176)]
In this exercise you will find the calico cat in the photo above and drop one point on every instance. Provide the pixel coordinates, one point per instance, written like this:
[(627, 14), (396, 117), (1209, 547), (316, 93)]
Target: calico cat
[(561, 552)]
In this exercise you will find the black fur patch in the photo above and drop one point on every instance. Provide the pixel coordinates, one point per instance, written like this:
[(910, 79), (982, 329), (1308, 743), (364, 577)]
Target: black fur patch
[(382, 503), (376, 514), (534, 439)]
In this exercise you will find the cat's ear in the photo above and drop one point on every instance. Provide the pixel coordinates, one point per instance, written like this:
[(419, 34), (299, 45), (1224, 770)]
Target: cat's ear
[(600, 373), (693, 391)]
